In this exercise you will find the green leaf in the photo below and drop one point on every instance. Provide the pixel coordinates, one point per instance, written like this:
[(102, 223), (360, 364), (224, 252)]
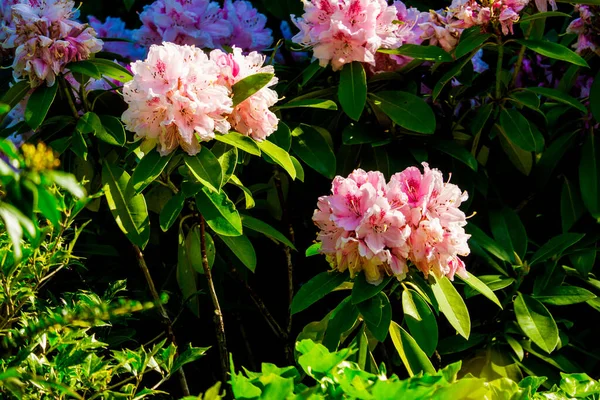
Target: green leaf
[(171, 210), (266, 229), (359, 133), (343, 317), (228, 158), (515, 346), (559, 96), (420, 320), (430, 53), (67, 182), (146, 172), (279, 156), (314, 150), (595, 97), (205, 167), (249, 86), (571, 205), (79, 145), (528, 99), (413, 358), (452, 72), (551, 157), (481, 287), (113, 129), (509, 232), (282, 137), (250, 203), (487, 243), (589, 175), (315, 289), (541, 15), (564, 295), (309, 103), (16, 93), (555, 247), (452, 305), (470, 39), (111, 69), (536, 322), (219, 212), (521, 159), (242, 248), (516, 127), (313, 249), (190, 354), (407, 110), (129, 212), (38, 105), (363, 290), (553, 50), (4, 109), (193, 250), (186, 275), (299, 169), (377, 313), (85, 68), (456, 151), (494, 282), (583, 261), (240, 141), (352, 90), (48, 206)]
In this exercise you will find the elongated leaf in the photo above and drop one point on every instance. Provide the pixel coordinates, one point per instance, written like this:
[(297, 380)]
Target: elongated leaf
[(314, 150), (517, 129), (515, 345), (114, 130), (407, 110), (38, 105), (310, 103), (250, 203), (130, 212), (313, 249), (559, 96), (470, 39), (266, 229), (509, 231), (67, 182), (452, 306), (494, 282), (452, 72), (456, 151), (315, 289), (111, 69), (363, 290), (555, 247), (481, 287), (541, 15), (413, 358), (528, 99), (430, 53), (205, 167), (146, 172), (377, 313), (352, 91), (342, 319), (536, 322), (420, 320), (228, 157), (589, 175), (16, 93), (171, 210), (584, 261), (282, 137), (219, 212), (487, 243), (564, 295), (249, 85), (186, 275), (571, 205), (554, 50), (279, 156), (85, 68), (240, 141), (521, 159), (48, 206), (243, 250)]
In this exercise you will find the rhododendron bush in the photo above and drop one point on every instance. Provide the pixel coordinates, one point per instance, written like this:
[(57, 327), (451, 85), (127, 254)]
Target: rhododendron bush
[(384, 198)]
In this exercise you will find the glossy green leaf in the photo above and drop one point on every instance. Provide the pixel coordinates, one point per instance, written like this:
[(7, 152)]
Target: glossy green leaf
[(85, 68), (282, 137), (420, 320), (363, 290), (553, 50), (413, 358), (219, 212), (584, 261), (240, 141), (559, 96), (171, 211), (48, 206), (130, 212), (149, 168), (509, 232), (266, 229), (456, 151), (516, 127), (249, 86), (310, 103), (352, 90), (315, 289), (526, 98), (536, 322), (279, 156), (555, 247), (113, 132), (470, 39), (487, 243), (16, 93), (242, 248), (205, 167), (250, 203), (313, 249), (228, 158), (38, 105), (481, 287), (193, 249), (589, 175), (343, 317), (452, 305), (299, 169), (515, 346), (494, 282), (111, 69), (407, 110), (540, 15), (452, 72), (521, 159), (377, 313), (67, 182), (571, 205), (314, 150), (419, 52), (564, 295)]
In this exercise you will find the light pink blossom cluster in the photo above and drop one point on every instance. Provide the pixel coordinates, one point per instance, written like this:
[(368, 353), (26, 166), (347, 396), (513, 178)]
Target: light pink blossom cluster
[(203, 23), (587, 28), (114, 28), (376, 227), (46, 38), (179, 97)]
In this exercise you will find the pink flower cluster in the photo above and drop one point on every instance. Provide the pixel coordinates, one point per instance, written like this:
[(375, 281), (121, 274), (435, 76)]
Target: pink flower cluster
[(180, 97), (47, 38), (203, 23), (377, 227), (587, 28), (114, 28)]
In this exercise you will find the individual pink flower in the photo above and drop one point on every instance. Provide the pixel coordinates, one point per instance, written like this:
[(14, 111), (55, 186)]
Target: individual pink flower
[(249, 30), (252, 117), (174, 99), (114, 28)]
